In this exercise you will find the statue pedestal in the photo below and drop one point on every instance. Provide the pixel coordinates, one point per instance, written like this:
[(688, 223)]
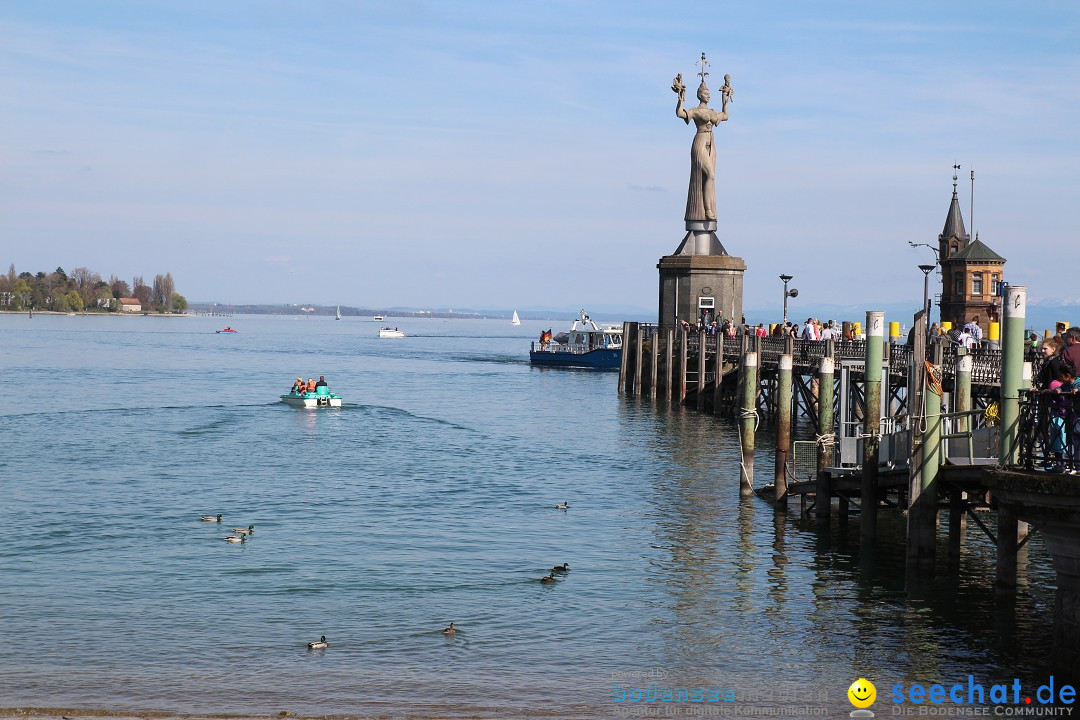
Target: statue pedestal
[(691, 284)]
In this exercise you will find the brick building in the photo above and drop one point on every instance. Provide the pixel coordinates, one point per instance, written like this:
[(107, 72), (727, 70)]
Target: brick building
[(970, 273)]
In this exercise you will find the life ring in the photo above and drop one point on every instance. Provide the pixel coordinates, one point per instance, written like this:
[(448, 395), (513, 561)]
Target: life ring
[(933, 379)]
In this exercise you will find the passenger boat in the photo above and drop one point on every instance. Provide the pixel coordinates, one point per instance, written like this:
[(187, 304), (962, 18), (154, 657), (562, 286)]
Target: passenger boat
[(377, 318), (387, 332), (226, 330), (586, 345), (318, 399)]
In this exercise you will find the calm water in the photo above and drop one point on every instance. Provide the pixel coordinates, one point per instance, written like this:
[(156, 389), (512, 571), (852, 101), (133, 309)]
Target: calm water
[(427, 499)]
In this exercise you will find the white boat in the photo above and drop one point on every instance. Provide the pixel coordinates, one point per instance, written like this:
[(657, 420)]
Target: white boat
[(388, 332), (377, 318), (338, 317), (321, 398), (516, 320)]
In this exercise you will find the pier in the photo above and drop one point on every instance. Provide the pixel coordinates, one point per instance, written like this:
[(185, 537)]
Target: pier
[(924, 428)]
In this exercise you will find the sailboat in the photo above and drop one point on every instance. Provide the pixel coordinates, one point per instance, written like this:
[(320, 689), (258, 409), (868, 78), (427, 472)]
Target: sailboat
[(516, 320), (338, 317)]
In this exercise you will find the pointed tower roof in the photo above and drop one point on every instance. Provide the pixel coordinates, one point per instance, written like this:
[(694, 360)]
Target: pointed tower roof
[(954, 221)]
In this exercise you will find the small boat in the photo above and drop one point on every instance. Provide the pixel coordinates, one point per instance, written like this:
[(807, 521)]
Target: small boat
[(318, 399), (226, 330), (338, 316), (377, 318), (586, 345), (388, 332), (516, 320)]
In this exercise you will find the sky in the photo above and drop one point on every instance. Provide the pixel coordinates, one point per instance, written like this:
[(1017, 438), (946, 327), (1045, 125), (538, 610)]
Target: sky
[(525, 155)]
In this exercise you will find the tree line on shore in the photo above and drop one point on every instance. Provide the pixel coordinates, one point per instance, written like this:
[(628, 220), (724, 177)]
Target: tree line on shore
[(84, 290)]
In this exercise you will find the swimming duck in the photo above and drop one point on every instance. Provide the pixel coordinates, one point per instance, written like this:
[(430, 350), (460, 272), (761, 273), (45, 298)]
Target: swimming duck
[(565, 567), (562, 506), (450, 630), (549, 579), (319, 645), (250, 530), (235, 538), (211, 518)]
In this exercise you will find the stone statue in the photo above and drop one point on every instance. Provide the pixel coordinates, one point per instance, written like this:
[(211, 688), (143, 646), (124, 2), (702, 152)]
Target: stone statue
[(701, 198)]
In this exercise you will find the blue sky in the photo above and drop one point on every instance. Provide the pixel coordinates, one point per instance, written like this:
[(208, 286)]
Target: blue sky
[(511, 154)]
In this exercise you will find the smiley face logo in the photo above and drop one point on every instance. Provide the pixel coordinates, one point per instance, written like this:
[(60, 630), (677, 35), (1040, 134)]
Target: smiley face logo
[(862, 693)]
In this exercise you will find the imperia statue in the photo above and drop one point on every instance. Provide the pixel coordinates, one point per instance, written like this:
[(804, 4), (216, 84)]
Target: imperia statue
[(701, 197)]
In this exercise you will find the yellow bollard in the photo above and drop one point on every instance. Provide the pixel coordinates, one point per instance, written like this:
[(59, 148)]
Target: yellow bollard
[(894, 331)]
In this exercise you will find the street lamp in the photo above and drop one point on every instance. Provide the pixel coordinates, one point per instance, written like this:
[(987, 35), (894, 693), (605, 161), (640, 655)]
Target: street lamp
[(926, 269), (792, 293), (915, 245)]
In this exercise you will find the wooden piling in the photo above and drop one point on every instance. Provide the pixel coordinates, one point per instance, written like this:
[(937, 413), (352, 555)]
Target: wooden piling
[(826, 437), (669, 362), (718, 362), (624, 358), (748, 379), (683, 339), (875, 338), (1007, 528), (638, 332), (701, 369), (783, 431), (922, 514), (654, 361)]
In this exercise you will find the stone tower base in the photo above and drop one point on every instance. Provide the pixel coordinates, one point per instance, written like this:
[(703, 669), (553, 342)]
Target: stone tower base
[(690, 285)]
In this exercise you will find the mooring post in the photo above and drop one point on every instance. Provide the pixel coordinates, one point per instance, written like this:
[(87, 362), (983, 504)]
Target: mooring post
[(748, 380), (654, 361), (962, 392), (783, 430), (624, 358), (719, 363), (922, 515), (875, 338), (684, 339), (1012, 372), (639, 332), (669, 362), (701, 369), (826, 438), (1012, 377)]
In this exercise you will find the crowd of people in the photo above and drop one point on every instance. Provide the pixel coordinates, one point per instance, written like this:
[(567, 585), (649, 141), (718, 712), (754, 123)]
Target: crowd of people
[(1058, 390), (300, 387)]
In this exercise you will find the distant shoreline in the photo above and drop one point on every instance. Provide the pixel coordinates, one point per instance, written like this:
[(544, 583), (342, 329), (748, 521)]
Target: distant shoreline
[(95, 314)]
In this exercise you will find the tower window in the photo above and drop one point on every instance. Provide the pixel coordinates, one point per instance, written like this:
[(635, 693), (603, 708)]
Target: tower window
[(958, 284), (953, 250), (977, 283)]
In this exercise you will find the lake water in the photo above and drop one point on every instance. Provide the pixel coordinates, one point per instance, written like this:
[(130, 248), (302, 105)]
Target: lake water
[(428, 499)]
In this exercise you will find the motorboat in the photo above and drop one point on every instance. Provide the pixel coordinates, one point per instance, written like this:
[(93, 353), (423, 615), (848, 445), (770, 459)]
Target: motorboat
[(377, 318), (586, 345), (389, 332), (322, 397), (225, 330)]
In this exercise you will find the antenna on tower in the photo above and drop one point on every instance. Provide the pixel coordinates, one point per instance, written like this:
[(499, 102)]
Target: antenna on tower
[(971, 213)]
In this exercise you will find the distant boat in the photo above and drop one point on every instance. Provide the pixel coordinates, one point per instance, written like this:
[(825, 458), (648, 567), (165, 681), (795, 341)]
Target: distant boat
[(387, 332), (226, 330), (338, 313), (377, 318), (516, 320)]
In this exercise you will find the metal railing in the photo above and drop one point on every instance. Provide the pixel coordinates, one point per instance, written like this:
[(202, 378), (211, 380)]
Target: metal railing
[(1049, 431)]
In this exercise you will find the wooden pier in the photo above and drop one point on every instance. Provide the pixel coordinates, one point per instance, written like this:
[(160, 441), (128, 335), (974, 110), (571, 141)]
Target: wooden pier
[(930, 429)]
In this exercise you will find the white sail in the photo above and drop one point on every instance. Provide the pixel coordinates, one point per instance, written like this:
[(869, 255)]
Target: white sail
[(516, 320), (338, 313)]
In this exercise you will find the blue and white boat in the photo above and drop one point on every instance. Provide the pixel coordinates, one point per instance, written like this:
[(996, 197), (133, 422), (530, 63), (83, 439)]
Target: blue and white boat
[(318, 399), (586, 345)]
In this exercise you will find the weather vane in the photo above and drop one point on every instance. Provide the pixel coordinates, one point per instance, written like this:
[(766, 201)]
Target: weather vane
[(954, 168)]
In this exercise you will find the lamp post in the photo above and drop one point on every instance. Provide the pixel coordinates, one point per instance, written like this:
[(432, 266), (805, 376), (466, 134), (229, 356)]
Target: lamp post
[(787, 294), (927, 269)]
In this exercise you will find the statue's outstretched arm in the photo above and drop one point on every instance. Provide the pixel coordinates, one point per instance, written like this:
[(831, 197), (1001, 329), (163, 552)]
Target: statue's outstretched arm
[(680, 90)]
